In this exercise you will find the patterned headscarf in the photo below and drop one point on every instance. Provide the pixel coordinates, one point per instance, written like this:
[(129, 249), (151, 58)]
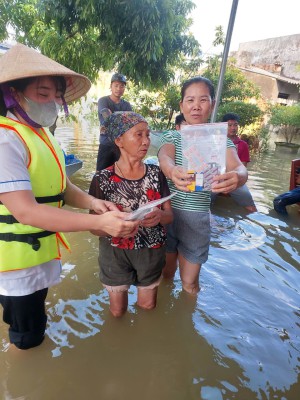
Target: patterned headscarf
[(120, 122)]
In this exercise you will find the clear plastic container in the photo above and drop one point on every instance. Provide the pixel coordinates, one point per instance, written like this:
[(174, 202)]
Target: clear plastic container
[(204, 152)]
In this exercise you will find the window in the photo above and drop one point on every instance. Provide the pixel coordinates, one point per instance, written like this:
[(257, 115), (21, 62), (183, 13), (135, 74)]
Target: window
[(283, 95)]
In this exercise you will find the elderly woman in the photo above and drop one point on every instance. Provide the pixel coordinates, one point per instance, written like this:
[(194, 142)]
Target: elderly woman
[(130, 183), (33, 188)]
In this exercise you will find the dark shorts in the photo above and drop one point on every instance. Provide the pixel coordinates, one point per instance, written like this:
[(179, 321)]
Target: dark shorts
[(119, 267), (189, 234), (107, 153), (26, 317)]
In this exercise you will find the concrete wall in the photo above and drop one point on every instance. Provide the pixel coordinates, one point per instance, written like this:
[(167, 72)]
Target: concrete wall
[(271, 87), (279, 55), (268, 86)]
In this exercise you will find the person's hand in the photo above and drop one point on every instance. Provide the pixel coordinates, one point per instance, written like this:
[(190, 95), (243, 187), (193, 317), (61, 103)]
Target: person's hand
[(225, 183), (152, 219), (181, 178), (102, 206), (113, 223)]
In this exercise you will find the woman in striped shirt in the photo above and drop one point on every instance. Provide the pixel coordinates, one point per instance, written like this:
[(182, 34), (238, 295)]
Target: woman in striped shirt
[(188, 237)]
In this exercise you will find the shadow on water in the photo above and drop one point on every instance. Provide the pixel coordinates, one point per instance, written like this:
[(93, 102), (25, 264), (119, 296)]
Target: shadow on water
[(238, 339)]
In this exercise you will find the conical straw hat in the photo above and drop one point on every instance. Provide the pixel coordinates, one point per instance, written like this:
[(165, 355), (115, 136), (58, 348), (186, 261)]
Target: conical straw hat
[(23, 62)]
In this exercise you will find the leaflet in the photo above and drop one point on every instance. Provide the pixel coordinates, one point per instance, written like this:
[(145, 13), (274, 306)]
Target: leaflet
[(145, 209)]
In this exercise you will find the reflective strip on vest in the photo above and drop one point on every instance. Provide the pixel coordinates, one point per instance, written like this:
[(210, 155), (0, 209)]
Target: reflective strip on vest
[(47, 172)]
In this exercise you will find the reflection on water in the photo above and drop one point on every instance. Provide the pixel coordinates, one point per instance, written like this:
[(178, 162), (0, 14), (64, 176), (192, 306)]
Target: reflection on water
[(238, 339), (236, 233)]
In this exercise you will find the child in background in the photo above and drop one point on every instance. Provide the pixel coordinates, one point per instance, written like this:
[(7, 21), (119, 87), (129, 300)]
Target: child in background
[(130, 183)]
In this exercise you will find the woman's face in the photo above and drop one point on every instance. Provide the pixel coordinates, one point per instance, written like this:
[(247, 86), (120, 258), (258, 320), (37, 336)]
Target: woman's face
[(42, 90), (136, 141), (197, 104)]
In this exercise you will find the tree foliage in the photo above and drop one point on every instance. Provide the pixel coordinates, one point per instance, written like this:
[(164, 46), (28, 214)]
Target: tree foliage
[(248, 113), (142, 39), (236, 86), (157, 107), (288, 120)]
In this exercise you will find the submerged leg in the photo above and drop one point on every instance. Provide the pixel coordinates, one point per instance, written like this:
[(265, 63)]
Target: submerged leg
[(118, 301), (170, 268), (26, 317), (251, 208), (147, 298), (189, 274)]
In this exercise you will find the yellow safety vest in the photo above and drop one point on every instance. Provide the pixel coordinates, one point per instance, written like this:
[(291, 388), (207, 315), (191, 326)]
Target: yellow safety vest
[(24, 246)]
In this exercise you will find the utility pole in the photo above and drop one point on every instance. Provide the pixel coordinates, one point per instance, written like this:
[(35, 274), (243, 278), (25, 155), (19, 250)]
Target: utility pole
[(224, 59)]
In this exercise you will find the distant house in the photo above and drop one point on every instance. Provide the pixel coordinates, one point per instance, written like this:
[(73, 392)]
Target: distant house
[(274, 66)]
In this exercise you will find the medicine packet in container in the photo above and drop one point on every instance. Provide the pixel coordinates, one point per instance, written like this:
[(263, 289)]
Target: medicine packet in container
[(204, 152)]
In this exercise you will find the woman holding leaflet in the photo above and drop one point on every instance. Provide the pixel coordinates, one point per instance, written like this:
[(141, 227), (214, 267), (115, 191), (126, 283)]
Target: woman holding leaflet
[(130, 183)]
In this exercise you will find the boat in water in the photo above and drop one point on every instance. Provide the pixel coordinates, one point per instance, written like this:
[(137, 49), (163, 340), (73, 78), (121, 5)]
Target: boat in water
[(73, 164)]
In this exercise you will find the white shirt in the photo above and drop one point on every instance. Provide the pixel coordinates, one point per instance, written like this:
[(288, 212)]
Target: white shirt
[(14, 176)]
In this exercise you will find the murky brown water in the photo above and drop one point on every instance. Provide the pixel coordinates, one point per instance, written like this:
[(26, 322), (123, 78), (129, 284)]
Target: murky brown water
[(239, 339)]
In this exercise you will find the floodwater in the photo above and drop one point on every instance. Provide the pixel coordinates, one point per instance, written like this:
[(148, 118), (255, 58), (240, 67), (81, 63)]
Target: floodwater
[(238, 339)]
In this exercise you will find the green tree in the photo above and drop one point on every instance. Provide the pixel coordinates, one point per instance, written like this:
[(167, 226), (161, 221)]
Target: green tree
[(157, 107), (236, 92), (250, 123), (143, 39), (236, 86), (219, 36), (287, 118), (160, 105), (249, 113)]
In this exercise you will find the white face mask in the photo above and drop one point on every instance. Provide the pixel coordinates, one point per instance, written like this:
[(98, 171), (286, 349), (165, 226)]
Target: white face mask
[(44, 114)]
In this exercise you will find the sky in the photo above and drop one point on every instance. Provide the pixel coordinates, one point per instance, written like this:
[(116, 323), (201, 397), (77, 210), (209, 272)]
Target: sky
[(255, 20)]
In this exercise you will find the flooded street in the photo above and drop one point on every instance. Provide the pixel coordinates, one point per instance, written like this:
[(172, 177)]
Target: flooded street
[(238, 339)]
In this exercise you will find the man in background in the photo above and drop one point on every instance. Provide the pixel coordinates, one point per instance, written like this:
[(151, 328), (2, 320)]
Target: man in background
[(107, 154)]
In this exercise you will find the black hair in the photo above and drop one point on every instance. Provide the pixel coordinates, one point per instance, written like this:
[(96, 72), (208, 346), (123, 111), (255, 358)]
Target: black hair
[(231, 116), (18, 84), (198, 79), (179, 119), (21, 84), (3, 109), (117, 77)]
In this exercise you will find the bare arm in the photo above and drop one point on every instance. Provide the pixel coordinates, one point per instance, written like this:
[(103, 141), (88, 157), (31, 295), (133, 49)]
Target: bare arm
[(236, 174), (27, 211), (176, 173), (76, 197)]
